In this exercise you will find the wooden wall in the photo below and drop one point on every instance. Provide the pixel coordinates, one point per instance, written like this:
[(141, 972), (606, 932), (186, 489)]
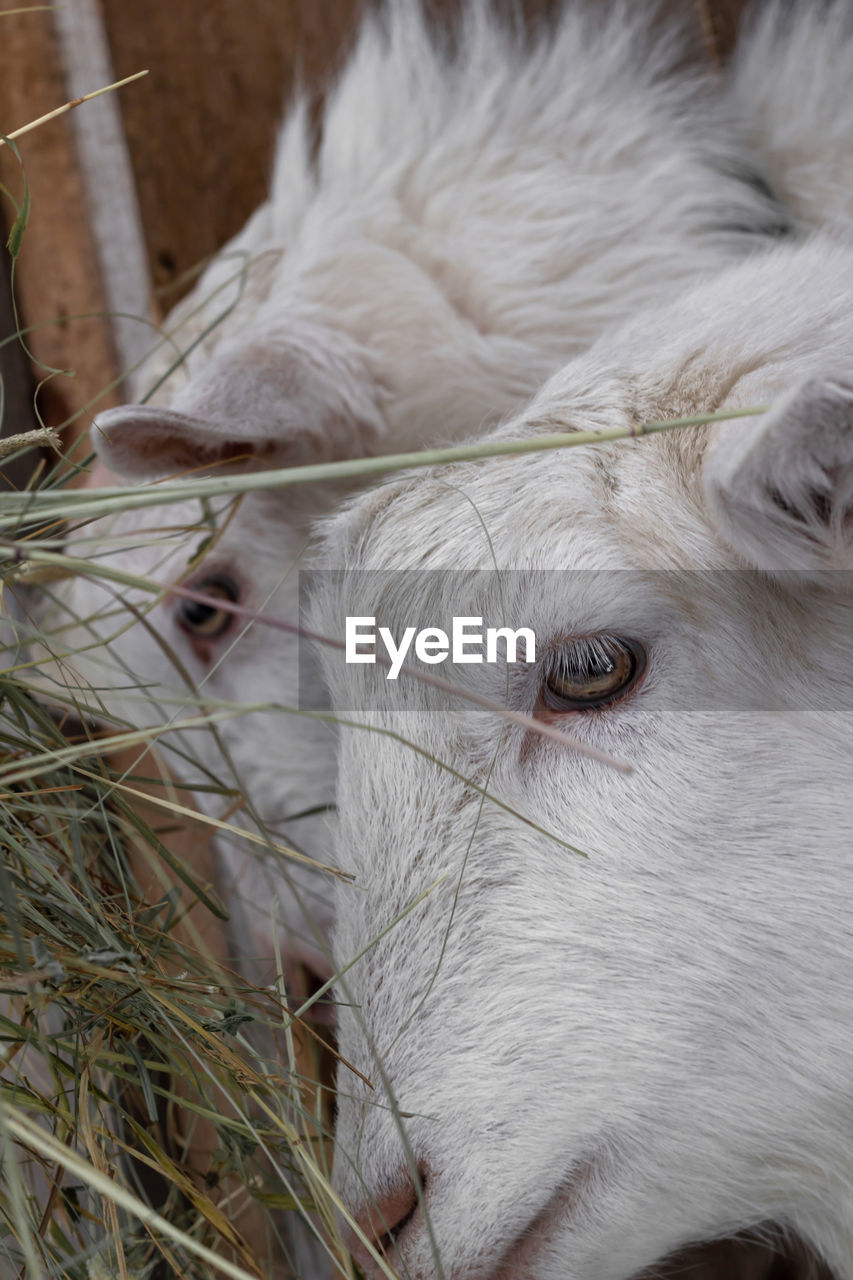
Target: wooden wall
[(57, 276), (196, 139)]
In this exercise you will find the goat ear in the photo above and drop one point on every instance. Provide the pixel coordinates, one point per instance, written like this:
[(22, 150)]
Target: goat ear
[(780, 486), (252, 405), (139, 442)]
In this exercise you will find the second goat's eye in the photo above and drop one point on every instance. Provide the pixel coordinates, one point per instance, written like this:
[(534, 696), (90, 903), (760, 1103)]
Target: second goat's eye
[(591, 672), (203, 619)]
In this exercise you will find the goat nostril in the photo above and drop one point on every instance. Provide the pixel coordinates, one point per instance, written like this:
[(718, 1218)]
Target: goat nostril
[(388, 1217), (384, 1220)]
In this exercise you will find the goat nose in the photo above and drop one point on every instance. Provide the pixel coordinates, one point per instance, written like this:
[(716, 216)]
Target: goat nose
[(382, 1222)]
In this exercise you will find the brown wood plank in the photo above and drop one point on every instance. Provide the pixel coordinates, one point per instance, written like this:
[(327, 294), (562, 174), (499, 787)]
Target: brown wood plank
[(202, 130), (721, 21), (18, 412), (56, 275)]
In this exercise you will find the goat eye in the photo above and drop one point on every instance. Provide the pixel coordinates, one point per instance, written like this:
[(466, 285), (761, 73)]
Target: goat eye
[(203, 619), (592, 672)]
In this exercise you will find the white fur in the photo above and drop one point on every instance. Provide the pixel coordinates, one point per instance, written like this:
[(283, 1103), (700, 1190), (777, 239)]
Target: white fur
[(789, 81), (604, 1059), (472, 220)]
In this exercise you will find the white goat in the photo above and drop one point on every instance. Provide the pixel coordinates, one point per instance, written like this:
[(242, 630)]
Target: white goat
[(474, 216), (604, 1058)]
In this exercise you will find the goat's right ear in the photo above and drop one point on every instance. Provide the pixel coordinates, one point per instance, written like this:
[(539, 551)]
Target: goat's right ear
[(139, 442), (257, 402), (780, 486)]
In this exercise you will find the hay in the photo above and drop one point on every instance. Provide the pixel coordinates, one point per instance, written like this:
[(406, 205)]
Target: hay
[(140, 1122)]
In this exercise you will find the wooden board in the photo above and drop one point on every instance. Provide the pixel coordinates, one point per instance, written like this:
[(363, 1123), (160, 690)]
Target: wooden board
[(18, 412), (57, 276), (201, 134), (721, 20)]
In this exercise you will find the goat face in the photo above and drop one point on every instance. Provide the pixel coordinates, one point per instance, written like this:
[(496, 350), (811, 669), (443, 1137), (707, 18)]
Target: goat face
[(601, 1058)]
